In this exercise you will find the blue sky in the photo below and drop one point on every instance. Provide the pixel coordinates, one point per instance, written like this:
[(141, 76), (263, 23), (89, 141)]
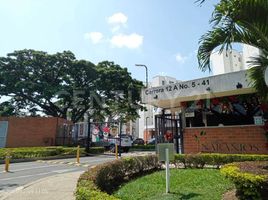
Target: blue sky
[(161, 34)]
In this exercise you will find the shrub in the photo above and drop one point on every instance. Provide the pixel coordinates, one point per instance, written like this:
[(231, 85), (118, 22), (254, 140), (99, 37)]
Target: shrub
[(41, 152), (215, 160), (250, 185), (105, 178), (143, 147), (110, 175), (86, 190), (96, 150)]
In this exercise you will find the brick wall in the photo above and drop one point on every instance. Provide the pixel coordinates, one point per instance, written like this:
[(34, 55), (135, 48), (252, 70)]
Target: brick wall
[(232, 139), (31, 131)]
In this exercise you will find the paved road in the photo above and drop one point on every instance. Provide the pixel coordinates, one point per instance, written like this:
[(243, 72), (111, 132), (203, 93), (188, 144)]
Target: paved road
[(27, 172)]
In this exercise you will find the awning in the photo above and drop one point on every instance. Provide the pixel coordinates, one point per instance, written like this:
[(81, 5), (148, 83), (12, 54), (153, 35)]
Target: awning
[(170, 96)]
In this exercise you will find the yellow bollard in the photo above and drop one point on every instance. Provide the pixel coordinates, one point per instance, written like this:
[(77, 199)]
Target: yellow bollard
[(116, 151), (78, 154), (7, 162)]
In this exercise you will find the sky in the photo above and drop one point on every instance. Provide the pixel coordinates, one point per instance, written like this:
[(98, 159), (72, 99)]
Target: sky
[(161, 34)]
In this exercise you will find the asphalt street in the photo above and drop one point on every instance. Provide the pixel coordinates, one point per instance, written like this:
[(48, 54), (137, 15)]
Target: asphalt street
[(28, 172)]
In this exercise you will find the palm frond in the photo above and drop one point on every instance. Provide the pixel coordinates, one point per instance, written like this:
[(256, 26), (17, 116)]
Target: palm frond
[(256, 74), (222, 37)]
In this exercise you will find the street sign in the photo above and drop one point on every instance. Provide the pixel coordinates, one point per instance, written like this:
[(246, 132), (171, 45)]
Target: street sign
[(161, 151)]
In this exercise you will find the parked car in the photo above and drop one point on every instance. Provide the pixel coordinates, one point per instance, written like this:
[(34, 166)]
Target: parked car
[(151, 141), (138, 141), (126, 142)]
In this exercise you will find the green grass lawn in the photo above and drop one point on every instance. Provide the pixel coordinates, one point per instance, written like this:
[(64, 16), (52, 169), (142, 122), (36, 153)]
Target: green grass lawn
[(184, 184)]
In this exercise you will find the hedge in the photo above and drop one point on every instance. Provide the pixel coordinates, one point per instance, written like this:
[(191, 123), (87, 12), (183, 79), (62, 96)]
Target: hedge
[(99, 182), (142, 147), (214, 160), (96, 150), (40, 152), (249, 185)]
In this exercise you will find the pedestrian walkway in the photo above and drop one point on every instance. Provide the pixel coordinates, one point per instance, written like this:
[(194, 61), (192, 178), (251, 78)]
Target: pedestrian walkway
[(57, 187), (63, 162)]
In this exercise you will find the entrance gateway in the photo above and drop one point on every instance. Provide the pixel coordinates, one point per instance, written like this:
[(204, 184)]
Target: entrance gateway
[(216, 114)]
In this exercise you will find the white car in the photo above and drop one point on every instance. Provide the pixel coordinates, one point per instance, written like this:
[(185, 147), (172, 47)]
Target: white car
[(126, 142)]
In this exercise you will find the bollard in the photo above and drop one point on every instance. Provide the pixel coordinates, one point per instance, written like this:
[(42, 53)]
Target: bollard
[(7, 162), (116, 151), (78, 154)]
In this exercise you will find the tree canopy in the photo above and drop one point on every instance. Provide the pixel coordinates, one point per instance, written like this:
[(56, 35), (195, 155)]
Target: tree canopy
[(240, 21), (60, 85)]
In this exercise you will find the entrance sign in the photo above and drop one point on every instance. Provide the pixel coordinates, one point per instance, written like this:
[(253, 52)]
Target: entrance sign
[(161, 151)]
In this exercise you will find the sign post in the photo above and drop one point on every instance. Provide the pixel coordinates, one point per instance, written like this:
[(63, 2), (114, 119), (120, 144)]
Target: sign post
[(167, 171), (165, 152)]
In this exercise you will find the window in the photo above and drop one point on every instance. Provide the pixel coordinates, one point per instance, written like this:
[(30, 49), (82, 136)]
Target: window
[(163, 82), (227, 111)]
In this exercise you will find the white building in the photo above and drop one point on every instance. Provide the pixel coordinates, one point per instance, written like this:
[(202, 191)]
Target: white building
[(232, 60), (248, 53), (146, 120), (226, 62)]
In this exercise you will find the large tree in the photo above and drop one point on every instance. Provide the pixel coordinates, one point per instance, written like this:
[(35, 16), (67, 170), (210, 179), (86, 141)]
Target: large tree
[(239, 21), (60, 85)]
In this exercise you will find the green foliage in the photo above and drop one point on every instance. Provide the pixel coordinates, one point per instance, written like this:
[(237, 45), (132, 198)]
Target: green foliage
[(248, 185), (205, 184), (143, 147), (240, 21), (215, 160), (59, 85), (41, 152), (106, 178), (7, 109), (96, 150), (87, 191)]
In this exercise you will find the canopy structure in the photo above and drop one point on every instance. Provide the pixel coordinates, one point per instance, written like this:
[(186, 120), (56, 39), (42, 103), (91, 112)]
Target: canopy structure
[(170, 96)]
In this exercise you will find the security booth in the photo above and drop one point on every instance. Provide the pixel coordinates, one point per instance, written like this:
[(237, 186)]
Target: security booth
[(216, 114)]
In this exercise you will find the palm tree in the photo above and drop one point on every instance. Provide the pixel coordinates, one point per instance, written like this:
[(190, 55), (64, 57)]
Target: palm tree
[(239, 21)]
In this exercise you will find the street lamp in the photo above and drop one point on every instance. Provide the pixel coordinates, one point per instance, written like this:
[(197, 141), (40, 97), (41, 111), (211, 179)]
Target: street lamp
[(146, 69)]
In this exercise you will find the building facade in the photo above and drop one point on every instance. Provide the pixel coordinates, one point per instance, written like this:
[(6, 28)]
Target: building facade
[(219, 113)]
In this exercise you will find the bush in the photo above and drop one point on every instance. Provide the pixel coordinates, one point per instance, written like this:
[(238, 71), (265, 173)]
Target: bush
[(41, 152), (250, 185), (86, 190), (143, 147), (215, 160), (96, 150), (106, 178)]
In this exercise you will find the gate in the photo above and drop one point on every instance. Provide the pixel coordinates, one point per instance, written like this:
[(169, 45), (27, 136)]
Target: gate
[(3, 133), (169, 129), (97, 133)]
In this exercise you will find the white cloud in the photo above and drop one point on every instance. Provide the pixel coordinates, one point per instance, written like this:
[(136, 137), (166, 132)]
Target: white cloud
[(131, 41), (95, 37), (181, 59), (117, 18)]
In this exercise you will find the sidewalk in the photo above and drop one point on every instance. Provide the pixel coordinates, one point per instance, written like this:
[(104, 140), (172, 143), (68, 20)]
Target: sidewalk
[(58, 187)]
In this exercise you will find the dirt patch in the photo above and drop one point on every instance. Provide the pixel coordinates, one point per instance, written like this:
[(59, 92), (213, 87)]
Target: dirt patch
[(230, 195), (257, 167)]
